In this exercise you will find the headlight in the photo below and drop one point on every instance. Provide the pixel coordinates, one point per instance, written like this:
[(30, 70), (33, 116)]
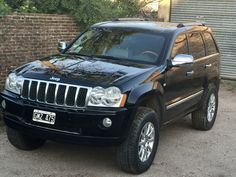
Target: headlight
[(110, 97), (97, 95), (14, 83)]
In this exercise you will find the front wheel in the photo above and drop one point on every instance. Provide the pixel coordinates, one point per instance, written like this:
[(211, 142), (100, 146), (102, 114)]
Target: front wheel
[(204, 118), (137, 152), (22, 141)]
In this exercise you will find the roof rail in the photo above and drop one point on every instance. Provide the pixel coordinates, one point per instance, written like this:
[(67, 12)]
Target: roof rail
[(181, 25), (131, 19)]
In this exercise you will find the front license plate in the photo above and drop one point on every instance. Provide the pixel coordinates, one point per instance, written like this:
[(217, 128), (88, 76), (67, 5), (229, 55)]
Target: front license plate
[(44, 117)]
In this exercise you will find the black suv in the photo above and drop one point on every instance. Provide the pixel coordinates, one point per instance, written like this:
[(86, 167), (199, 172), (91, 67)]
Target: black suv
[(116, 83)]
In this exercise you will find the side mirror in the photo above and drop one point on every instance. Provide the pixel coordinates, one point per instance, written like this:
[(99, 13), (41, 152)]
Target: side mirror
[(61, 46), (182, 59)]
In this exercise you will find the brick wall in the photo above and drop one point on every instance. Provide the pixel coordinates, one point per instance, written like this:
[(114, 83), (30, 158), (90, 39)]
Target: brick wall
[(26, 37)]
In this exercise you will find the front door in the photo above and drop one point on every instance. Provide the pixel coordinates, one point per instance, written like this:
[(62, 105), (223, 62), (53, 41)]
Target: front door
[(182, 90)]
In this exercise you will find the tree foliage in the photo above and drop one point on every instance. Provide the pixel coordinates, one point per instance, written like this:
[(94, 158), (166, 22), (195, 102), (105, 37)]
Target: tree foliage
[(86, 12), (4, 8), (14, 4)]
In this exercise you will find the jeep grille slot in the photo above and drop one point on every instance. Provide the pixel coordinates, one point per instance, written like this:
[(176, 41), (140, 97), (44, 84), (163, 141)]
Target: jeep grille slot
[(61, 94), (70, 99), (41, 92), (54, 93), (25, 90), (81, 97), (50, 97), (33, 90)]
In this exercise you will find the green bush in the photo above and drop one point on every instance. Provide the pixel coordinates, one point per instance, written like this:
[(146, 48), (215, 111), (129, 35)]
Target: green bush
[(86, 12), (4, 8)]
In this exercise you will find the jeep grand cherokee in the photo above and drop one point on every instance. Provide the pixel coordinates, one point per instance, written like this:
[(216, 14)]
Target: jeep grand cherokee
[(116, 83)]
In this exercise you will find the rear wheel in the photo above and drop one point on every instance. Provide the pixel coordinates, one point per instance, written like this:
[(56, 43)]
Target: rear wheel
[(204, 118), (22, 141), (137, 152)]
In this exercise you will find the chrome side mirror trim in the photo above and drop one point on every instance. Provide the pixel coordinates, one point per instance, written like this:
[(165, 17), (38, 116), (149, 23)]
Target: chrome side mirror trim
[(182, 59), (61, 46)]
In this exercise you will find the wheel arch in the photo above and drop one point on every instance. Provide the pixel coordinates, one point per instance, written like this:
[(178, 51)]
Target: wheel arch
[(213, 80), (149, 95)]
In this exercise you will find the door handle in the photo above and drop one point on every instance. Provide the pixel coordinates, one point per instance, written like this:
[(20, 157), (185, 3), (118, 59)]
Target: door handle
[(189, 73), (208, 65)]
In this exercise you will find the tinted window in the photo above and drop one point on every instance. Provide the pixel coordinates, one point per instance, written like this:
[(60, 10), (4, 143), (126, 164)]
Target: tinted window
[(196, 45), (133, 45), (180, 46), (210, 44)]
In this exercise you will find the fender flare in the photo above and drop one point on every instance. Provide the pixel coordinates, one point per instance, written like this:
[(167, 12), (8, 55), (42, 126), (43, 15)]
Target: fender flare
[(144, 91)]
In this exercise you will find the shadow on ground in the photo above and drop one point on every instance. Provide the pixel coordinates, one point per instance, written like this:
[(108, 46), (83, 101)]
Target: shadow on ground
[(183, 152)]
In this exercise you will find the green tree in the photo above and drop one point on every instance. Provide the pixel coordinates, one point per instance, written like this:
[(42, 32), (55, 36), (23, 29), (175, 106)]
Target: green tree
[(27, 6), (90, 11), (86, 12), (49, 6), (14, 4), (128, 8), (4, 8)]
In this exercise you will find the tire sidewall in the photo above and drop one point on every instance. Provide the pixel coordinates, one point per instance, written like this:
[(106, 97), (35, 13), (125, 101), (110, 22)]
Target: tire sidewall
[(212, 90), (22, 141), (143, 166)]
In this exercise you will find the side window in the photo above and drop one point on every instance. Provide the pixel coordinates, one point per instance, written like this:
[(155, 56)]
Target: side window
[(210, 44), (196, 45), (180, 46)]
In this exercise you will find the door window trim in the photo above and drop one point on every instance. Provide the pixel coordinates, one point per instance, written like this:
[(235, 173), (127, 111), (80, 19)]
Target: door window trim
[(212, 37), (202, 41), (184, 33)]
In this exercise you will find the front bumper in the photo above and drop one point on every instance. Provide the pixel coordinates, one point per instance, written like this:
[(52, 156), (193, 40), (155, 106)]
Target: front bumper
[(73, 126)]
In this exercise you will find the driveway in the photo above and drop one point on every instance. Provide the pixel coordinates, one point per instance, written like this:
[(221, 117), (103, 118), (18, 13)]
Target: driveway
[(183, 152)]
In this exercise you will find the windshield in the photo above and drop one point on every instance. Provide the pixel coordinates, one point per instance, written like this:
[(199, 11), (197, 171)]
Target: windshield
[(119, 44)]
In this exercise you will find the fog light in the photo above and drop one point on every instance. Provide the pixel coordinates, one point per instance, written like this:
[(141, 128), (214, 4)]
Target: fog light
[(107, 122), (3, 104)]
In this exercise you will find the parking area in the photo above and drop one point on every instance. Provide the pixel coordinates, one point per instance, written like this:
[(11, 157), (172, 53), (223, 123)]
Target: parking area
[(183, 152)]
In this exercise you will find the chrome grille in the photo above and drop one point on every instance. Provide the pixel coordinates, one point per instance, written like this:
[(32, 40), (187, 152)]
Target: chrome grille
[(55, 93)]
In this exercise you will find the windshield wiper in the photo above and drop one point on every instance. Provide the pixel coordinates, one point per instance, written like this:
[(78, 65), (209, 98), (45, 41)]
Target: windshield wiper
[(96, 56), (108, 57), (78, 54)]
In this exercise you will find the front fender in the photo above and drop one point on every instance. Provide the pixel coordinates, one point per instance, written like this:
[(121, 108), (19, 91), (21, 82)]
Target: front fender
[(143, 91)]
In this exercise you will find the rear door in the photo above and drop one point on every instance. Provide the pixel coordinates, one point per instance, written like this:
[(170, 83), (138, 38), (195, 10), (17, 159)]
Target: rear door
[(211, 64)]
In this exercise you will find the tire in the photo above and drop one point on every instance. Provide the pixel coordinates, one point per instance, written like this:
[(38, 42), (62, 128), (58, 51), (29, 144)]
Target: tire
[(129, 152), (202, 119), (23, 142)]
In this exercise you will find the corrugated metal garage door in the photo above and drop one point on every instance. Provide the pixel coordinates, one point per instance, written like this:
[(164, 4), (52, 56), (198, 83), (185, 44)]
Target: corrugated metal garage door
[(218, 14)]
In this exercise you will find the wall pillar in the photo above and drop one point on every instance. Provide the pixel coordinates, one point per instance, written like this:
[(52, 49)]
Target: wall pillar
[(164, 10)]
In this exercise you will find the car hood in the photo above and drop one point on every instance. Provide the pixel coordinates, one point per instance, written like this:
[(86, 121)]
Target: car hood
[(83, 70)]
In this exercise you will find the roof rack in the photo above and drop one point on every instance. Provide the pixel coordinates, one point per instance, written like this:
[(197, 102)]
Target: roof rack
[(181, 25), (131, 19)]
